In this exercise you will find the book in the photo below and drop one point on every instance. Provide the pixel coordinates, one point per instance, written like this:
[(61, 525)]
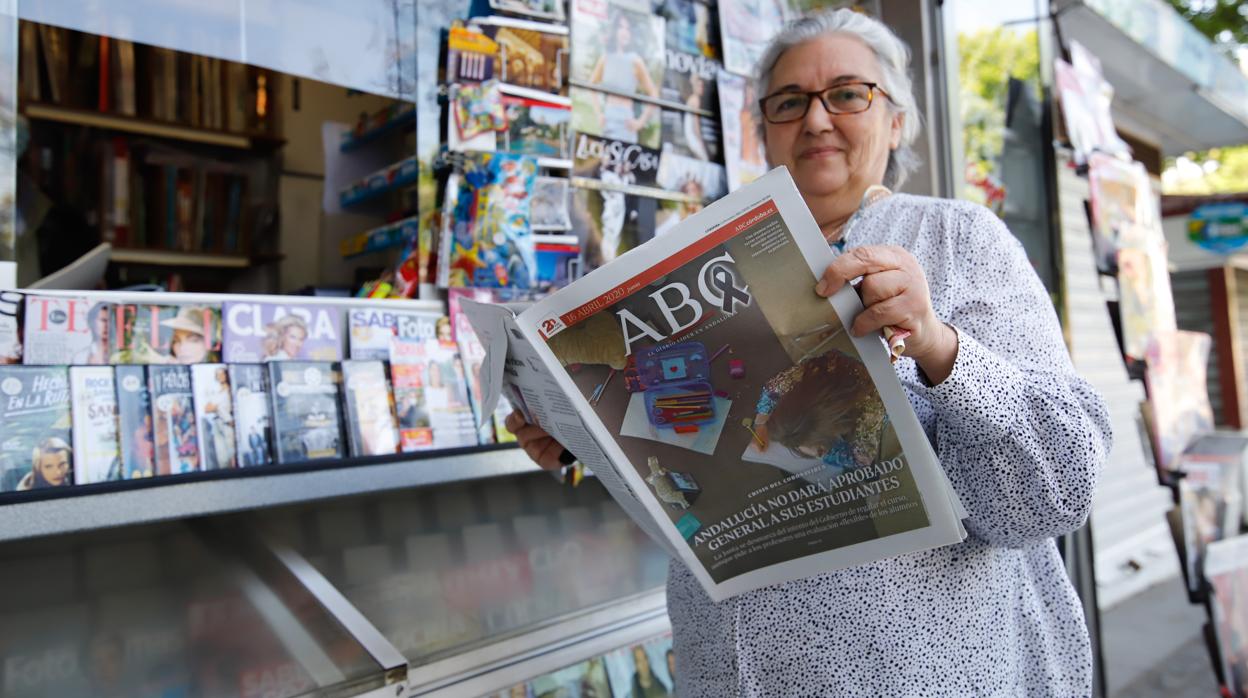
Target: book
[(35, 410), (124, 99), (174, 430), (258, 332), (62, 330), (164, 334), (253, 423), (736, 275), (55, 43), (371, 426), (134, 422), (372, 328), (97, 454), (214, 416), (1226, 568), (12, 311), (307, 418)]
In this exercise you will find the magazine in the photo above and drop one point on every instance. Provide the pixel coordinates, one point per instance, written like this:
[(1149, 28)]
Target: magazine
[(558, 260), (644, 669), (535, 127), (744, 157), (164, 334), (1177, 396), (370, 411), (700, 179), (692, 135), (1209, 509), (617, 48), (610, 222), (1226, 568), (615, 162), (531, 54), (134, 422), (470, 56), (746, 28), (173, 420), (12, 310), (692, 26), (256, 332), (548, 207), (616, 118), (689, 79), (253, 424), (35, 411), (372, 328), (62, 331), (214, 416), (1145, 303), (97, 457), (668, 435), (307, 419), (431, 392)]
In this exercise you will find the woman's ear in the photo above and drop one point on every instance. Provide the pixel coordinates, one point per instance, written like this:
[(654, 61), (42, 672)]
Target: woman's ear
[(895, 126)]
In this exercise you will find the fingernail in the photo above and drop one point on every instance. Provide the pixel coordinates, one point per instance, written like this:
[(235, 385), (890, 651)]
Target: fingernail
[(822, 288)]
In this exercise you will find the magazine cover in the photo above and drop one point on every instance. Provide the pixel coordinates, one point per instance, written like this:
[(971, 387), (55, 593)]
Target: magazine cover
[(253, 425), (619, 49), (415, 428), (134, 422), (1209, 506), (1120, 197), (710, 425), (431, 392), (1175, 374), (643, 670), (307, 420), (548, 208), (256, 332), (558, 261), (164, 334), (1146, 302), (684, 174), (471, 56), (35, 411), (616, 118), (671, 213), (534, 55), (745, 28), (589, 678), (610, 223), (691, 135), (692, 26), (1226, 568), (372, 328), (535, 127), (97, 454), (12, 309), (487, 240), (689, 80), (63, 331), (370, 411), (744, 157), (214, 415), (173, 420), (615, 162)]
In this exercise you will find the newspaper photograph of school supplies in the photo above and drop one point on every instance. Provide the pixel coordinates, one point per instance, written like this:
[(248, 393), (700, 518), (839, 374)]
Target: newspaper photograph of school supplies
[(725, 405)]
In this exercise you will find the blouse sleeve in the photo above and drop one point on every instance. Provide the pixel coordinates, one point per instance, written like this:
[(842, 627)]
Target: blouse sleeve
[(1020, 434), (778, 386)]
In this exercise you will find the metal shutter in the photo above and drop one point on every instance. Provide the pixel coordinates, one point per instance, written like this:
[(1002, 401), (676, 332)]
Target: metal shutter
[(1194, 312), (1131, 542)]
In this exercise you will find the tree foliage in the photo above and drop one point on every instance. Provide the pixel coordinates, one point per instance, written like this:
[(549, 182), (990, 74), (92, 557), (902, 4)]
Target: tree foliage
[(988, 58), (1225, 22)]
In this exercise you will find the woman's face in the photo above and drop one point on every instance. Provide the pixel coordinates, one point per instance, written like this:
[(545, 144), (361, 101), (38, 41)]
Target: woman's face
[(99, 328), (623, 35), (54, 467), (831, 156), (641, 661), (188, 347), (292, 340)]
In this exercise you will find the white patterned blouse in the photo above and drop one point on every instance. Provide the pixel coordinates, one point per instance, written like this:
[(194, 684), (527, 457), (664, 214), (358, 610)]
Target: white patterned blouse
[(1021, 437)]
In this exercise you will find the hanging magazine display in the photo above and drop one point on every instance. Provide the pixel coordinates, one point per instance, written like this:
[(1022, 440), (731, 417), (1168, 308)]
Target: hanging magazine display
[(684, 377), (746, 28), (744, 157), (689, 80)]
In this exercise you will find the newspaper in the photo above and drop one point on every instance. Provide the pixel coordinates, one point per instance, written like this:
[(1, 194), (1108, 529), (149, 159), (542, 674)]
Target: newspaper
[(725, 405)]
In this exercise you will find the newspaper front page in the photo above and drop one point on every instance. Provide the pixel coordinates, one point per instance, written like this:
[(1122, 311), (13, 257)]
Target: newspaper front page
[(724, 404)]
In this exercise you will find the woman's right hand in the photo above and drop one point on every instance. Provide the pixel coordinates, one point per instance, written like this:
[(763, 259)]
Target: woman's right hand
[(760, 430), (539, 445)]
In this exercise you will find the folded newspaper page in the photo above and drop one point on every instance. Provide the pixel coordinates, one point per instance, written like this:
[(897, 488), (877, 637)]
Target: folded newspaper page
[(724, 404)]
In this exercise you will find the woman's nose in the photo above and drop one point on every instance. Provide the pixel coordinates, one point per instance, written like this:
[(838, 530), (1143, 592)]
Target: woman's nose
[(817, 118)]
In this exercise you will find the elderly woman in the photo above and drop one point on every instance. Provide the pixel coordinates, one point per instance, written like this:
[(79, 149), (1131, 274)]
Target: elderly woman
[(1019, 434)]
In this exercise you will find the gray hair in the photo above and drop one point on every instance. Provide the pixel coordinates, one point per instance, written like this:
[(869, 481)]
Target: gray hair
[(893, 56)]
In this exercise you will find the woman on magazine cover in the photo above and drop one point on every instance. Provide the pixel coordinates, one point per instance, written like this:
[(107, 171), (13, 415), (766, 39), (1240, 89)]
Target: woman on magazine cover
[(622, 70), (1020, 435)]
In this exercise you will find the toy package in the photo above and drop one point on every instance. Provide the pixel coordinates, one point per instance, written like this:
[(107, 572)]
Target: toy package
[(487, 239)]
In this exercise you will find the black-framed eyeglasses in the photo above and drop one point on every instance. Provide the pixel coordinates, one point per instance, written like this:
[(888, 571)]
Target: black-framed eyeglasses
[(845, 98)]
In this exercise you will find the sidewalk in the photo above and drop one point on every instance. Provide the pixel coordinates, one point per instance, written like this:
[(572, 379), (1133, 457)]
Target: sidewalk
[(1153, 646)]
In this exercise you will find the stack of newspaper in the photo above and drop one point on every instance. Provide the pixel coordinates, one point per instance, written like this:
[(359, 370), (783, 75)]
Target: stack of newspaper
[(724, 404)]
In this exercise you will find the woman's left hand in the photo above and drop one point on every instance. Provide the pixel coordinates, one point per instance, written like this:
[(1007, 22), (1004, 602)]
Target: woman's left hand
[(894, 293)]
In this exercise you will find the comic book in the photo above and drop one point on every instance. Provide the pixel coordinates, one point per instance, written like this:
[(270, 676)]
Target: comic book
[(372, 328), (683, 376), (253, 423), (371, 425), (214, 416), (134, 422), (173, 420), (307, 417), (96, 445), (258, 332), (60, 331), (12, 310), (36, 450), (164, 334)]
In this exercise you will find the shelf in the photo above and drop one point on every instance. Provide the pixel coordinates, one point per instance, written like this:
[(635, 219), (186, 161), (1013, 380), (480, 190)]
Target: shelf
[(399, 122), (398, 176), (174, 258), (379, 239), (104, 505), (147, 127)]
